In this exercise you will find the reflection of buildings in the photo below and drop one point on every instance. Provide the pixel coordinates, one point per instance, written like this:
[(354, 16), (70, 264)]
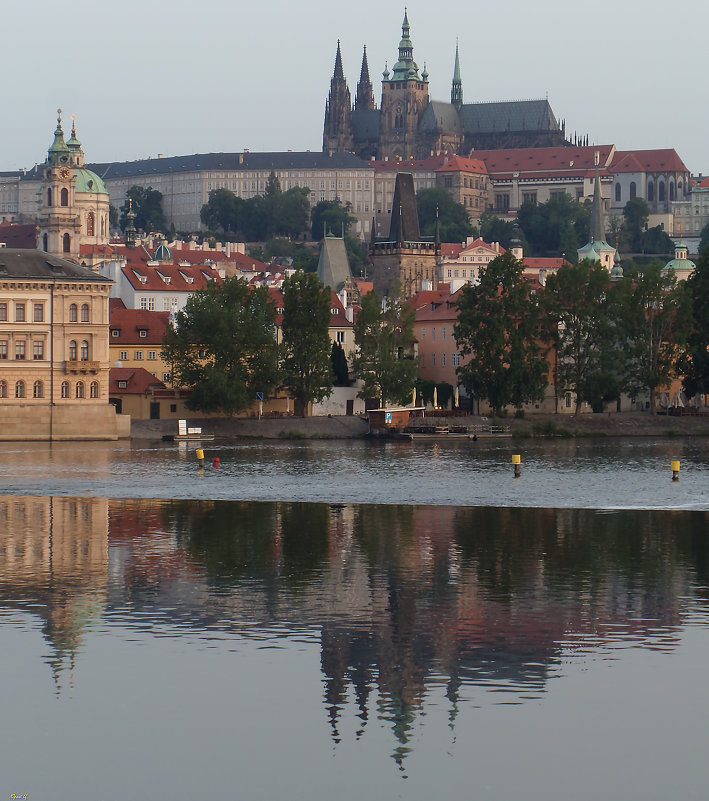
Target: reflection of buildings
[(54, 562)]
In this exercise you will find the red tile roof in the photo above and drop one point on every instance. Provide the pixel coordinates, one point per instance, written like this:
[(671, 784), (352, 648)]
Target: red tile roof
[(460, 164), (442, 161), (125, 326), (18, 235), (153, 280), (663, 160), (541, 161), (138, 381)]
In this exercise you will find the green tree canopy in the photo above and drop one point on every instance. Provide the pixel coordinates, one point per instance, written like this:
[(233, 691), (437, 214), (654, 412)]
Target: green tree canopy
[(578, 305), (223, 347), (384, 338), (340, 368), (559, 226), (452, 217), (307, 368), (498, 327), (494, 229), (696, 362), (147, 207), (332, 216), (635, 216), (222, 211), (656, 241)]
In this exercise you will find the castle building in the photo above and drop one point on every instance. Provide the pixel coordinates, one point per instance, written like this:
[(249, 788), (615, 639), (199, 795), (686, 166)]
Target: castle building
[(408, 124)]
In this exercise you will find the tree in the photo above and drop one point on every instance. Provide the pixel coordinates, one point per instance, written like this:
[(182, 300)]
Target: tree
[(696, 358), (493, 229), (223, 347), (291, 215), (636, 213), (561, 225), (498, 327), (657, 318), (340, 368), (453, 219), (332, 216), (307, 369), (384, 360), (222, 211), (576, 302), (704, 241), (656, 240), (147, 207), (112, 216)]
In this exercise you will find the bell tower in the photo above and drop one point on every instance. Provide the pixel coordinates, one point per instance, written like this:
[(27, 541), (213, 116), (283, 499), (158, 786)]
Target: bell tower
[(59, 224)]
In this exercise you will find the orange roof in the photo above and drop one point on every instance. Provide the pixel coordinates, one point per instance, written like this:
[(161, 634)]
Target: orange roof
[(178, 277), (540, 161), (137, 381), (126, 326), (544, 263), (442, 161), (460, 164), (662, 160)]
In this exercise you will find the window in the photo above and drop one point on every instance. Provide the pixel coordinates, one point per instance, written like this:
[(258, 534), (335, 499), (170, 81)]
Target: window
[(49, 197), (38, 389), (84, 312), (20, 350), (166, 377), (20, 389), (142, 333), (122, 385), (66, 243), (443, 359), (90, 224), (423, 333), (20, 312), (138, 355), (443, 332), (65, 389), (123, 355), (73, 350), (340, 337), (661, 191), (73, 313), (651, 191), (38, 350), (529, 197), (3, 389), (633, 190), (94, 389), (502, 202), (115, 332), (38, 312), (3, 312), (3, 349), (64, 199), (423, 360), (617, 192), (433, 360), (152, 355), (455, 359), (79, 389), (84, 351), (433, 333)]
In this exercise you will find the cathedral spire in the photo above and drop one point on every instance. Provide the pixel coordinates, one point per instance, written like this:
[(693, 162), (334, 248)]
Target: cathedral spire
[(365, 92), (338, 73), (405, 68), (457, 84), (337, 130)]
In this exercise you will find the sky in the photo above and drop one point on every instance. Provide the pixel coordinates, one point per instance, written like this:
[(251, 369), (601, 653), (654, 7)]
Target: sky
[(145, 77)]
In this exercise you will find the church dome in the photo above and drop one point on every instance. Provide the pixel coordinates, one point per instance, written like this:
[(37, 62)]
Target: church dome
[(681, 265), (88, 181), (162, 252)]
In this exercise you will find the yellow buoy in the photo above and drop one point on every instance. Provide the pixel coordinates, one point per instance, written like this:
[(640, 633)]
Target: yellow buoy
[(199, 452), (517, 461), (674, 464)]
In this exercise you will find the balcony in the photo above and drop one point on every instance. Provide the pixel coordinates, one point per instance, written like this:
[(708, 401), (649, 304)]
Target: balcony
[(76, 366)]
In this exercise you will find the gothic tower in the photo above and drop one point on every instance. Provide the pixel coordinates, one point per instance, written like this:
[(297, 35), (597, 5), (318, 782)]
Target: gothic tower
[(337, 131), (404, 99), (457, 83), (364, 99)]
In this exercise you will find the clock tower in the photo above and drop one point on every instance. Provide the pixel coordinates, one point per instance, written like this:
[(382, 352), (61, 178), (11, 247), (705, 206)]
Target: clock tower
[(59, 223)]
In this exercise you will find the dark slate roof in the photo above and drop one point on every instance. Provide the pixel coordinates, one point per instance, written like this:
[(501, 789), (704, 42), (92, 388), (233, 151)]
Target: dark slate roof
[(440, 116), (17, 263), (404, 212), (512, 115), (333, 265), (229, 161), (365, 124)]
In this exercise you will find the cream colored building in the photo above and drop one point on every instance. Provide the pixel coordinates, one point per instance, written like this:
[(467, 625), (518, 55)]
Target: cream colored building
[(54, 356)]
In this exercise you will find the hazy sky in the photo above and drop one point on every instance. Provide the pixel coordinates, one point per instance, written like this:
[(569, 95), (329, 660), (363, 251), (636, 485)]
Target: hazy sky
[(145, 77)]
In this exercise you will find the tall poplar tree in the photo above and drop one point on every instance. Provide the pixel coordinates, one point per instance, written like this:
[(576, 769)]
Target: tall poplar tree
[(307, 368)]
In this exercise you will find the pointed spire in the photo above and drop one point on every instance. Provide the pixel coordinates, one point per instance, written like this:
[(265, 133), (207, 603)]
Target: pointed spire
[(338, 73), (365, 92), (405, 68), (457, 83), (58, 145)]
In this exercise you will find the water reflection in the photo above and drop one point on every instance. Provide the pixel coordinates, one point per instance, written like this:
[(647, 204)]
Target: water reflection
[(481, 605)]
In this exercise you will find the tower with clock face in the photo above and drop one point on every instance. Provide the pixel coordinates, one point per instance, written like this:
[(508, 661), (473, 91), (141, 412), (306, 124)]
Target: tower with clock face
[(73, 203)]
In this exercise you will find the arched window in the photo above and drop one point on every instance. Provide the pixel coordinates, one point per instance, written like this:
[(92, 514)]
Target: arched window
[(79, 389), (672, 190), (72, 350), (650, 190), (20, 389), (66, 244), (38, 389), (3, 389), (45, 243), (65, 389), (661, 191), (617, 193), (633, 190), (103, 225), (84, 312), (84, 351), (73, 313), (94, 390), (64, 197), (90, 224), (679, 187), (49, 196)]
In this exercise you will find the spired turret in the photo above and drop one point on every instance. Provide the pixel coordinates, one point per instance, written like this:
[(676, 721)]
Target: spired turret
[(337, 130), (364, 100)]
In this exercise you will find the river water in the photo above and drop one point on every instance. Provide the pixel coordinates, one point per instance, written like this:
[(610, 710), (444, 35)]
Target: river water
[(348, 620)]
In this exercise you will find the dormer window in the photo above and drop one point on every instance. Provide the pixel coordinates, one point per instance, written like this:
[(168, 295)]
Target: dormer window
[(115, 332), (122, 385), (142, 333)]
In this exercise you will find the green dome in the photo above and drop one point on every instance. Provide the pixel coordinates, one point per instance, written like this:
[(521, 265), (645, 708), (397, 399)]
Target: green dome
[(87, 181), (679, 264)]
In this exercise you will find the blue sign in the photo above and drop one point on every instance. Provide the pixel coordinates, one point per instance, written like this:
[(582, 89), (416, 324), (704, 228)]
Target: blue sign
[(387, 417), (259, 396)]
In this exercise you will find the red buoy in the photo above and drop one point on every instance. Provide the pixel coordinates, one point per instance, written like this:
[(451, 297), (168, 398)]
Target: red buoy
[(215, 461)]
